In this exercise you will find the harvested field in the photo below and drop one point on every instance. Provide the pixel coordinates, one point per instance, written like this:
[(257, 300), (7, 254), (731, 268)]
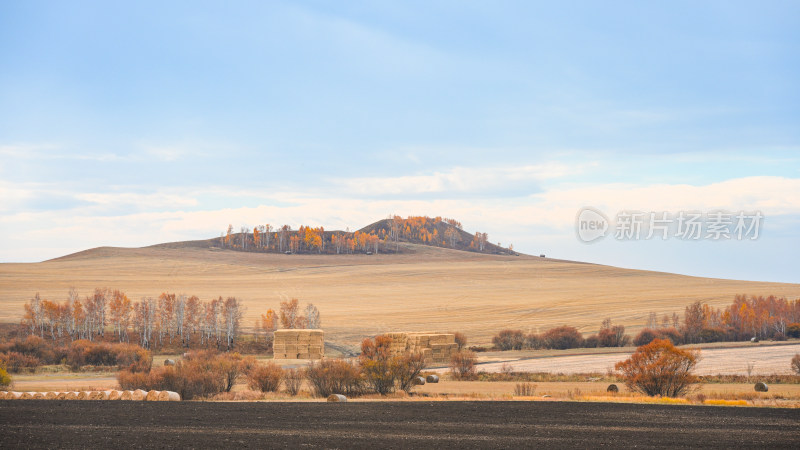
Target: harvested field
[(32, 424), (360, 295), (714, 361)]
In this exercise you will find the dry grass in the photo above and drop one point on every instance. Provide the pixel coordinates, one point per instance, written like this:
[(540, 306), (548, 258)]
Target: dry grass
[(361, 295)]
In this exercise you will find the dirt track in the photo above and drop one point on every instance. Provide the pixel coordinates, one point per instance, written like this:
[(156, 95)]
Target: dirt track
[(39, 424)]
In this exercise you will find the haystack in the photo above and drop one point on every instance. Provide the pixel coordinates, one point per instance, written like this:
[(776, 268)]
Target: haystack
[(51, 395), (436, 348), (114, 395), (83, 395), (761, 387), (38, 396), (169, 396), (298, 344), (337, 398), (13, 395), (432, 378), (126, 395), (612, 388), (152, 396), (27, 395), (71, 396), (138, 395), (62, 396)]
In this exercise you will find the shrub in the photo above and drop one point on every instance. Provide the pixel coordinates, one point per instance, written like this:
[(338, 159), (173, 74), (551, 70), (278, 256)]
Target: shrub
[(671, 333), (612, 336), (524, 389), (592, 341), (533, 341), (563, 337), (293, 379), (16, 362), (125, 356), (405, 368), (462, 365), (779, 337), (659, 368), (202, 374), (712, 335), (796, 364), (5, 379), (645, 337), (509, 340), (461, 340), (793, 330), (335, 376), (266, 378), (375, 360)]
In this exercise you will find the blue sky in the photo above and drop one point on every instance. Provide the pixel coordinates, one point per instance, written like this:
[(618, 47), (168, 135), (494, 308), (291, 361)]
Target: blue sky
[(134, 123)]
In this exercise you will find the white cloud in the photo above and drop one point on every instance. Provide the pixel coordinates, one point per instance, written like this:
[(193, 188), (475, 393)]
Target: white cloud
[(456, 180)]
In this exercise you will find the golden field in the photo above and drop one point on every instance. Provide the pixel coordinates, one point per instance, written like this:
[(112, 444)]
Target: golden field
[(425, 288)]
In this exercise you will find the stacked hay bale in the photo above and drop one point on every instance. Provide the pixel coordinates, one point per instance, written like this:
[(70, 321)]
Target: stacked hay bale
[(437, 348), (299, 344)]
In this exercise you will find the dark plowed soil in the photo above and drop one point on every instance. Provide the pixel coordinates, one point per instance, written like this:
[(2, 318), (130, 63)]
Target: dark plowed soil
[(116, 424)]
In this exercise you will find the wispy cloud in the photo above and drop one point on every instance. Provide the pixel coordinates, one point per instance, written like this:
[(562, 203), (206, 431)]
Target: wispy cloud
[(458, 180)]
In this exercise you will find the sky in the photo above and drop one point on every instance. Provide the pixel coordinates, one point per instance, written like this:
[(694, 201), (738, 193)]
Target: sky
[(136, 123)]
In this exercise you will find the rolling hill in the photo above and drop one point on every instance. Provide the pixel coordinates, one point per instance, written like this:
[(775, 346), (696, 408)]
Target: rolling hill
[(420, 288)]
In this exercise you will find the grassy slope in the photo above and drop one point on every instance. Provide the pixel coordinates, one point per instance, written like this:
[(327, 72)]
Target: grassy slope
[(425, 288)]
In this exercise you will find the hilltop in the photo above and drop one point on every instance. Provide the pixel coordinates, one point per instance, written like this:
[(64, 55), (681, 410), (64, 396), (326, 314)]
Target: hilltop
[(384, 236)]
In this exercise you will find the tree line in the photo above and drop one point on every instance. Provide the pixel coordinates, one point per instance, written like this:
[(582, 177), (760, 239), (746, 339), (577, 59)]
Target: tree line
[(166, 320), (746, 318), (382, 236)]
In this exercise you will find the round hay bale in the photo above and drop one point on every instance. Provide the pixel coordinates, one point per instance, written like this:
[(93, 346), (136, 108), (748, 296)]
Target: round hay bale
[(612, 388), (169, 362), (2, 395), (169, 396), (138, 395), (418, 381), (337, 398), (761, 387), (83, 395), (126, 395), (38, 395), (71, 396), (51, 395), (61, 396), (13, 395), (432, 378), (26, 395), (754, 339), (114, 395), (152, 396)]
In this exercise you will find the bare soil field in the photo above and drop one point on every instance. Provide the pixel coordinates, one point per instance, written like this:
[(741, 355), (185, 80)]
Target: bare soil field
[(359, 295), (766, 360), (86, 424)]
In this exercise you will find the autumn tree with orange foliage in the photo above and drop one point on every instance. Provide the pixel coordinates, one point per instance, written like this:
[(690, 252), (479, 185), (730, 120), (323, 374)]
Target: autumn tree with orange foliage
[(660, 368)]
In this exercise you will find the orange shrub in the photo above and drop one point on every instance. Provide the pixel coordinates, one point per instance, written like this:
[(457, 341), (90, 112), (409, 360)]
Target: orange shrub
[(563, 337), (796, 364), (266, 378), (335, 376), (462, 365), (16, 362), (659, 368)]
